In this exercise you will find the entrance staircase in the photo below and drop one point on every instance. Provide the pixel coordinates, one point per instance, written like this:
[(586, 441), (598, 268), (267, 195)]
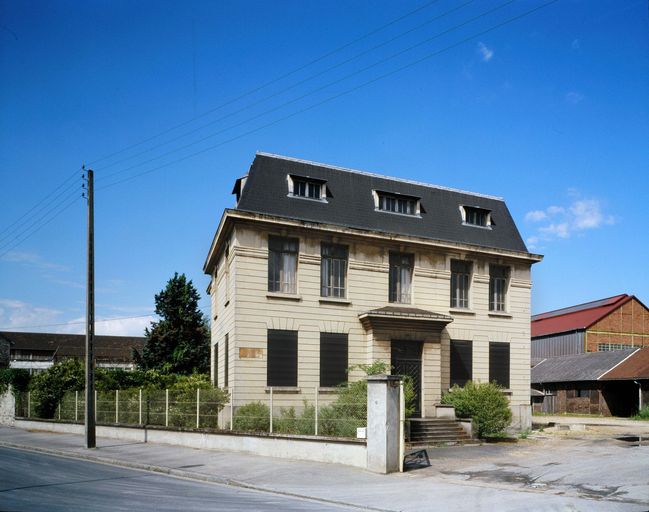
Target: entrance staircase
[(432, 431)]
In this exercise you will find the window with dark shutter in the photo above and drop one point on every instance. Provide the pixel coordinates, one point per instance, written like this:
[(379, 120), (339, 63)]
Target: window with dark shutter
[(281, 369), (226, 357), (333, 359), (216, 365), (499, 363), (461, 362)]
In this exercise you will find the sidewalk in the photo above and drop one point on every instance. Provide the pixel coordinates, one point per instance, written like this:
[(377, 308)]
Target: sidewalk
[(330, 483), (640, 426)]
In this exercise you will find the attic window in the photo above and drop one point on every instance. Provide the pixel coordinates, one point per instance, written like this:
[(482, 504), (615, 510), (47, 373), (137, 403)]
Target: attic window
[(307, 188), (396, 203), (474, 216)]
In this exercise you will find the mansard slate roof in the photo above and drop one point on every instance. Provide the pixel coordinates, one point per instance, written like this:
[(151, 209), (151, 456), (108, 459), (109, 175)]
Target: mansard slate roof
[(350, 203), (575, 318)]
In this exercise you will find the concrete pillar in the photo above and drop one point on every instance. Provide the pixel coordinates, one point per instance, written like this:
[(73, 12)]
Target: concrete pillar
[(383, 423)]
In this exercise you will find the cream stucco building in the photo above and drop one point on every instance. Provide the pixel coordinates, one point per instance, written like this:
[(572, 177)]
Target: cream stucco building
[(319, 268)]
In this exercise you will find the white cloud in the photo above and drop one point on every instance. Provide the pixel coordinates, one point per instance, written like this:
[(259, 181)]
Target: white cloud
[(536, 216), (559, 222), (33, 260), (125, 326), (14, 314), (485, 52), (574, 97)]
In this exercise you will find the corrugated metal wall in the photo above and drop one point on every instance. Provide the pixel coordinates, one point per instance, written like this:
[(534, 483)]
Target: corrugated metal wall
[(558, 345)]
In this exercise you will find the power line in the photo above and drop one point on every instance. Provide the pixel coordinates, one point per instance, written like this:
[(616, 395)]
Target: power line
[(38, 228), (271, 82), (37, 204), (336, 96), (290, 87), (316, 90)]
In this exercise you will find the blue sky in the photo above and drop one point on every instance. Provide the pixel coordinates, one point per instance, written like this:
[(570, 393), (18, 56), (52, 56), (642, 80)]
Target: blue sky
[(550, 111)]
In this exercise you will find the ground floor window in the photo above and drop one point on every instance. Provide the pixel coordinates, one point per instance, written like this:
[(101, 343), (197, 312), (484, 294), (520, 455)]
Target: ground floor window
[(499, 363), (333, 358), (461, 362), (281, 369)]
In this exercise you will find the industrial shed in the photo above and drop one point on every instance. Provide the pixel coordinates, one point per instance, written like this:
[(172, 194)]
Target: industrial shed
[(615, 323), (612, 383)]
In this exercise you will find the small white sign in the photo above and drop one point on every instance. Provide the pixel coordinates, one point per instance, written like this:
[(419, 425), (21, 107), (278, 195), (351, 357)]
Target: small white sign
[(361, 433)]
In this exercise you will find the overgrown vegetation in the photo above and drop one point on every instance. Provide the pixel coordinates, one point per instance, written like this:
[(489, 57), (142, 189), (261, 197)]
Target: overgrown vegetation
[(643, 414), (484, 403), (252, 417), (17, 378)]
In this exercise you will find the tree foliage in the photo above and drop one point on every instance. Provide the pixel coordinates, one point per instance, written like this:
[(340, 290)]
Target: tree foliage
[(484, 403), (180, 341)]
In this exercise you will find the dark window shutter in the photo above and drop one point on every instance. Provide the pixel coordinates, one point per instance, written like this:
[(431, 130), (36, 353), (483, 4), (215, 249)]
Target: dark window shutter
[(216, 365), (226, 360), (333, 359), (281, 369), (499, 363), (461, 362)]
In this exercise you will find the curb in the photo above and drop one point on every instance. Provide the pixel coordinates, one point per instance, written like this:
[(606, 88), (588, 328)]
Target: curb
[(179, 473)]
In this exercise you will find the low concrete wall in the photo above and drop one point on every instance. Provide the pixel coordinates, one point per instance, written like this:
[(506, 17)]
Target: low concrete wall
[(521, 418), (7, 408), (350, 453)]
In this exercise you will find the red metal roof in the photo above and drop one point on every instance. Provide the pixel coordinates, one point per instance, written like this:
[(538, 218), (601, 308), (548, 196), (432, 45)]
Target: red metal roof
[(577, 317), (635, 367)]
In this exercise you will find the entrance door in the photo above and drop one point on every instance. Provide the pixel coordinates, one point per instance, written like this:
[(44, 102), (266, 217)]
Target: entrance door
[(406, 361)]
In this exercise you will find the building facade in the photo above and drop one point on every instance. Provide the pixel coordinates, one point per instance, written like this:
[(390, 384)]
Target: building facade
[(615, 323), (320, 268)]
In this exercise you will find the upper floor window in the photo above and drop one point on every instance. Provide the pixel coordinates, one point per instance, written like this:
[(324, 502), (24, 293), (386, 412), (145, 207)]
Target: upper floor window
[(309, 188), (282, 264), (333, 270), (498, 277), (401, 267), (396, 203), (475, 216), (460, 282)]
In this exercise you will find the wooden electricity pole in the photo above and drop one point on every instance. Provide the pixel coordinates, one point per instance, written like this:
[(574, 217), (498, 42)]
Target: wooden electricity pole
[(91, 441)]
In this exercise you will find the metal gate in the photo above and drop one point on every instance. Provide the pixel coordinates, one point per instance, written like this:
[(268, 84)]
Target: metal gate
[(406, 361)]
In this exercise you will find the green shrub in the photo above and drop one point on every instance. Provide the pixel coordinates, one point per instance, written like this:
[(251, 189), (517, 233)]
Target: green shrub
[(252, 417), (48, 387), (17, 378), (482, 402), (289, 422), (643, 414)]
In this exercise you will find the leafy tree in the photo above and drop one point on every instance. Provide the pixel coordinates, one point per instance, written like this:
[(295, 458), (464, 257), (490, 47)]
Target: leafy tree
[(180, 341), (48, 387)]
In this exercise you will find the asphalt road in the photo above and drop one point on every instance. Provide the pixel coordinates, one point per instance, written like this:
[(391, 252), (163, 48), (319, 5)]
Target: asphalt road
[(33, 481)]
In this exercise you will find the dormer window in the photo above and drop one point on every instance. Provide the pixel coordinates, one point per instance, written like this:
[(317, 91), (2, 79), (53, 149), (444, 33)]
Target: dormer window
[(307, 188), (396, 203), (474, 216)]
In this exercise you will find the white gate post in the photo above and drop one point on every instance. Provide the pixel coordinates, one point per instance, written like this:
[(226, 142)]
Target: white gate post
[(198, 406), (76, 406), (166, 407), (29, 403), (231, 407), (140, 409), (316, 411), (271, 410)]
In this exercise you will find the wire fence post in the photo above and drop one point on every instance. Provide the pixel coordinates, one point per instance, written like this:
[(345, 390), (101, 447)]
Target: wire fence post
[(76, 406), (198, 407), (59, 411), (140, 408), (29, 404), (95, 408), (271, 410), (231, 407), (166, 407), (117, 406), (316, 411), (402, 424)]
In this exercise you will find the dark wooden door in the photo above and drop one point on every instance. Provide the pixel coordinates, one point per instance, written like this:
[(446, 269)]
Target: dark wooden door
[(406, 361)]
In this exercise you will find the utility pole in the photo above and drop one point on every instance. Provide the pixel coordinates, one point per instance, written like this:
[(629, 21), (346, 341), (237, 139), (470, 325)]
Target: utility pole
[(90, 319)]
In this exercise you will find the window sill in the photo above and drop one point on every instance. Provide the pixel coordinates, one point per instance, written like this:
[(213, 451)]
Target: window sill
[(500, 314), (284, 389), (285, 296), (461, 311), (335, 300)]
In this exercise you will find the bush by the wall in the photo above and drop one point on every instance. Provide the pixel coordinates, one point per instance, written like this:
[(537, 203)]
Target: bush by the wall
[(484, 403), (643, 414), (48, 387), (252, 417), (17, 378)]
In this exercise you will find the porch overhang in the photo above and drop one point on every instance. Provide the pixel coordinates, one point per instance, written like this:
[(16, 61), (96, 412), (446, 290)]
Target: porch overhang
[(394, 318)]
